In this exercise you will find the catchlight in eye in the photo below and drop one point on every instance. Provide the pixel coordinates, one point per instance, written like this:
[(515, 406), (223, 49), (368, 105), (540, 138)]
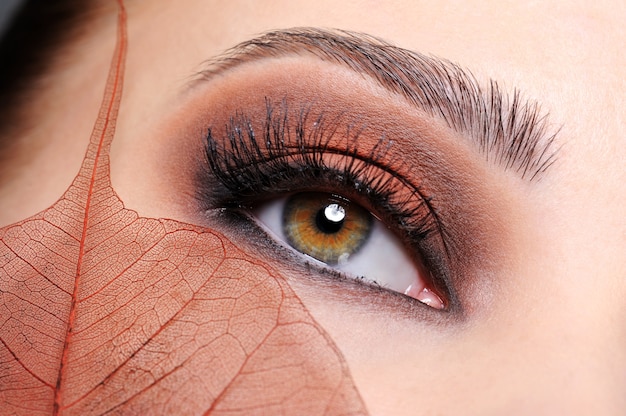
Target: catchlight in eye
[(325, 227)]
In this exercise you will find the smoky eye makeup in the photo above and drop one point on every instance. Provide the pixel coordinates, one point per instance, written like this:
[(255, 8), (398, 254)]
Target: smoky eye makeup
[(341, 196), (278, 154)]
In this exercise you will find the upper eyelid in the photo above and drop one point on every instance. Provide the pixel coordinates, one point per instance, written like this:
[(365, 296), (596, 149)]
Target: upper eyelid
[(302, 147), (509, 131)]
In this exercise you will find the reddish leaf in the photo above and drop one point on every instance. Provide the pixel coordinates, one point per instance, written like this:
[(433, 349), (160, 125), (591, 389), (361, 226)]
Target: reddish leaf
[(103, 311)]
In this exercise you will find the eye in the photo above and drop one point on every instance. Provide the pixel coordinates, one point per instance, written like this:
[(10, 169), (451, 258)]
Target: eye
[(344, 236), (376, 221)]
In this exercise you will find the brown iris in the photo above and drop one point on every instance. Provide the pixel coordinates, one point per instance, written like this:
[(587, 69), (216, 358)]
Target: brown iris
[(325, 226)]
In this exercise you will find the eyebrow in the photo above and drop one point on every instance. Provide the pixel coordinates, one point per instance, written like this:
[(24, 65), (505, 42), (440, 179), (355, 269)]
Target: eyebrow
[(510, 131)]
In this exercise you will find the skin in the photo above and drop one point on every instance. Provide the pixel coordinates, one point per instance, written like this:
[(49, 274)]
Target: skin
[(544, 327)]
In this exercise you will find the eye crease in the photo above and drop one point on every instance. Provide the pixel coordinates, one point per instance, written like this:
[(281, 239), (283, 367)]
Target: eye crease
[(345, 236)]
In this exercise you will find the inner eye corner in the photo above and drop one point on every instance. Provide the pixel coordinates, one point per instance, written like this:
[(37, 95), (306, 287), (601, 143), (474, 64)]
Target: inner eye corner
[(363, 281)]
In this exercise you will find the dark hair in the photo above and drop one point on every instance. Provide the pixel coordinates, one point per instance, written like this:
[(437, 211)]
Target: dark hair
[(39, 29)]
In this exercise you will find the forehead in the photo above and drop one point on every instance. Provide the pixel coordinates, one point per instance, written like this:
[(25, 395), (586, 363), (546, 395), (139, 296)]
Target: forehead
[(564, 54), (556, 45)]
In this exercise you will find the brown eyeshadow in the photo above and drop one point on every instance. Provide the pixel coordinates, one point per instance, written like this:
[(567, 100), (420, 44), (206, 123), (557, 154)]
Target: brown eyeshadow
[(464, 191)]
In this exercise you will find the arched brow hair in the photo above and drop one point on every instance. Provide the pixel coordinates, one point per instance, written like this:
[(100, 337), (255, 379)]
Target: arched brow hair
[(509, 130)]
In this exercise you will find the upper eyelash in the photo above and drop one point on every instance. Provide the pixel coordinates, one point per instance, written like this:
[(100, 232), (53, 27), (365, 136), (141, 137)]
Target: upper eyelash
[(247, 166)]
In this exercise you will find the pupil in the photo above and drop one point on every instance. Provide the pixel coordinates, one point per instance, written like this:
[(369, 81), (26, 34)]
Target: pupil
[(330, 219)]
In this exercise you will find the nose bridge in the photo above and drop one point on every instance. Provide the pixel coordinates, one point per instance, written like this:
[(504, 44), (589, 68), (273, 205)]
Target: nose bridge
[(578, 357), (557, 351), (592, 377)]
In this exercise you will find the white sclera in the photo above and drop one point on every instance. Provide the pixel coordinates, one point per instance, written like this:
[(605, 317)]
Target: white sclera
[(382, 258)]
